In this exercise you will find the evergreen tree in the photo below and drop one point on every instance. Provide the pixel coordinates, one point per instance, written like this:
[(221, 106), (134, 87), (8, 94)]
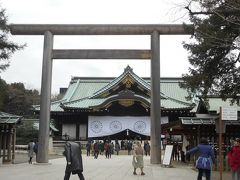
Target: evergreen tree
[(6, 47), (215, 50), (20, 100), (3, 93)]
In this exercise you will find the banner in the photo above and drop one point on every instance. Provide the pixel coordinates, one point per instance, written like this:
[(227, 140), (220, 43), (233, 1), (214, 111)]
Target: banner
[(107, 125)]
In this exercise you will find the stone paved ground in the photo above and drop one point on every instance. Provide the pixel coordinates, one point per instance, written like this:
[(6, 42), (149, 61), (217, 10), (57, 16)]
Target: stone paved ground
[(117, 168)]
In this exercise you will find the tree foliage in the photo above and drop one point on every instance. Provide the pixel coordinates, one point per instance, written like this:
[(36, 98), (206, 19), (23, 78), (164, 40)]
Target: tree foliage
[(26, 132), (3, 93), (15, 99), (20, 100), (6, 47), (215, 49)]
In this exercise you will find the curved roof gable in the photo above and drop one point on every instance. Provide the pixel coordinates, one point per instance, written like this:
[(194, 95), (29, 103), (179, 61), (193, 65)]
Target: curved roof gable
[(128, 76)]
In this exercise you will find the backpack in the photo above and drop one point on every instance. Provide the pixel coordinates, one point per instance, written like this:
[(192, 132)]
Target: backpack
[(35, 148)]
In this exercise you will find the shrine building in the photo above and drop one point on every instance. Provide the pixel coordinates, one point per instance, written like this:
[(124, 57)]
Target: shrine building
[(119, 108)]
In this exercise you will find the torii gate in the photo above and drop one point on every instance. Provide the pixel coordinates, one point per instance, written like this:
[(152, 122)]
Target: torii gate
[(119, 29)]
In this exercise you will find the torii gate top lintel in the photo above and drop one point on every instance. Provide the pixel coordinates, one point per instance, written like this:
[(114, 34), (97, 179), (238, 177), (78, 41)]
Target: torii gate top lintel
[(101, 29)]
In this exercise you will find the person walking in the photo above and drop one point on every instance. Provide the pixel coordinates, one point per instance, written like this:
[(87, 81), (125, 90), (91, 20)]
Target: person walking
[(117, 148), (147, 148), (107, 149), (129, 147), (205, 159), (88, 148), (96, 149), (111, 149), (30, 148), (234, 159), (138, 158), (73, 154), (101, 147)]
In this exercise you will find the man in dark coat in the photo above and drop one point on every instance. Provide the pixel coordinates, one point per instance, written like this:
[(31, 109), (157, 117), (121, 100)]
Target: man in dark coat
[(73, 156)]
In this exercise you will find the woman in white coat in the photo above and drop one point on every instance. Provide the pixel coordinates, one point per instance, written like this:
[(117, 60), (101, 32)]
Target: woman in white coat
[(138, 158)]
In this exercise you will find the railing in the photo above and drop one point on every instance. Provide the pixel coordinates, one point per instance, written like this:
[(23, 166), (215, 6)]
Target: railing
[(21, 147)]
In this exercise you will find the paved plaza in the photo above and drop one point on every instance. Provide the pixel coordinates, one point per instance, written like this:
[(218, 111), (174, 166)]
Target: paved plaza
[(116, 168)]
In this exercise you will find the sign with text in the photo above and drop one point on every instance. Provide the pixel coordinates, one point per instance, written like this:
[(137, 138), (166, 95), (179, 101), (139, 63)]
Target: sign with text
[(167, 155), (229, 113)]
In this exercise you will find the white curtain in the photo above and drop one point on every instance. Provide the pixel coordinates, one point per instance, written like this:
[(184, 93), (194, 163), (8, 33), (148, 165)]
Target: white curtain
[(107, 125), (83, 131), (70, 130)]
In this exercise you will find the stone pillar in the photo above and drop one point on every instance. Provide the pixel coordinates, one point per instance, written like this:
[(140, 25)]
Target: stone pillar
[(155, 157), (45, 103)]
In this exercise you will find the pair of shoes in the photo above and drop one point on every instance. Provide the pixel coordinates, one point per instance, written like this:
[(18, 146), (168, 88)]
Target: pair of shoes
[(142, 173), (134, 173)]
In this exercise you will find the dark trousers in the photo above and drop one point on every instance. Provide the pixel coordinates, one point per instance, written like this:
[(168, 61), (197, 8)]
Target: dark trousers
[(200, 174), (182, 156), (88, 152), (67, 176), (96, 154), (30, 160), (107, 154)]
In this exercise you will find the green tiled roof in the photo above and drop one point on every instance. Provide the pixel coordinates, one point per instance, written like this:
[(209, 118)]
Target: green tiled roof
[(87, 89), (87, 103), (84, 93), (174, 104), (6, 118), (84, 103)]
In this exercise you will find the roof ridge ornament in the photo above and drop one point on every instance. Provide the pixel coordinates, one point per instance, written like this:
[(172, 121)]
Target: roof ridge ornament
[(128, 69)]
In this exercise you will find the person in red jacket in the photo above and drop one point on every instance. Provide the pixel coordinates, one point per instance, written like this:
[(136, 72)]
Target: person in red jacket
[(234, 160)]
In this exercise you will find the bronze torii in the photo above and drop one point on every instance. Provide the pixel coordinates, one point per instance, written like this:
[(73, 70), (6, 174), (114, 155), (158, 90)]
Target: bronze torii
[(48, 30)]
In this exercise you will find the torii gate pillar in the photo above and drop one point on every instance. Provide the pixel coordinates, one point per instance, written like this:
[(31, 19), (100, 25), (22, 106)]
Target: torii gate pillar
[(45, 103), (155, 100)]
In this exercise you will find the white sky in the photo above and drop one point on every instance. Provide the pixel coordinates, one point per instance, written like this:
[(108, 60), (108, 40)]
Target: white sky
[(26, 64)]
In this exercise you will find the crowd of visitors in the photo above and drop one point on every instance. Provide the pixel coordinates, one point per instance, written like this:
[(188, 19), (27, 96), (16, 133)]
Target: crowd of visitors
[(206, 155), (178, 153), (108, 147)]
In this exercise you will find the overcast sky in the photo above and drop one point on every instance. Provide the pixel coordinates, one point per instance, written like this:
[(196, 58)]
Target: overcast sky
[(26, 64)]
